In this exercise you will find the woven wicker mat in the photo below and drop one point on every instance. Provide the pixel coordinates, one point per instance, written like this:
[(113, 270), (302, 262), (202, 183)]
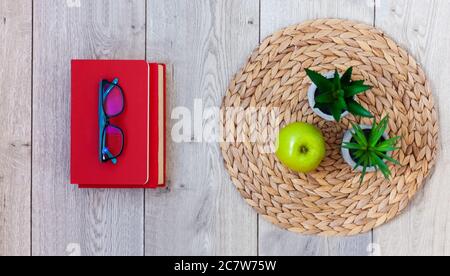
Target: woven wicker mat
[(330, 201)]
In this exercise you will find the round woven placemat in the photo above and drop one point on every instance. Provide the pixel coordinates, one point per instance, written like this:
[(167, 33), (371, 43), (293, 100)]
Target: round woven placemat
[(330, 201)]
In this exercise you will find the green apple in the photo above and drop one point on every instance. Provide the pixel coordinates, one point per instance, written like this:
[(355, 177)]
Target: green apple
[(301, 147)]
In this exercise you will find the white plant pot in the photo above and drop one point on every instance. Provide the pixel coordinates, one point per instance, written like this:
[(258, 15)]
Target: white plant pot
[(346, 152), (312, 101)]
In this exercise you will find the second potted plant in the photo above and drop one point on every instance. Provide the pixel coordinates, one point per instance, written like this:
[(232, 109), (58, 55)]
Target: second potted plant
[(332, 97), (369, 148)]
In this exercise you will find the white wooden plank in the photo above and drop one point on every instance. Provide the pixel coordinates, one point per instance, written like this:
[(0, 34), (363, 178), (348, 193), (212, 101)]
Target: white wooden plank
[(420, 26), (15, 126), (275, 15), (67, 220), (204, 43)]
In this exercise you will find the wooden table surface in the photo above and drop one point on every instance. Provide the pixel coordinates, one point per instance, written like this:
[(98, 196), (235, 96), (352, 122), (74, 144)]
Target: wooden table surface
[(204, 42)]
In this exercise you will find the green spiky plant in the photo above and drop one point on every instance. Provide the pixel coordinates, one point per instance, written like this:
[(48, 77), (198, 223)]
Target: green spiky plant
[(337, 95), (370, 149)]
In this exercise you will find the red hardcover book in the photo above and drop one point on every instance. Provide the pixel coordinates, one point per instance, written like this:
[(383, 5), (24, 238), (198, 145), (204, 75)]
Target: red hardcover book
[(142, 163)]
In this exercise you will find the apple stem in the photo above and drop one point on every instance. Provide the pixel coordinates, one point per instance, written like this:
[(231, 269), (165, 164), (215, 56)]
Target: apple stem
[(304, 149)]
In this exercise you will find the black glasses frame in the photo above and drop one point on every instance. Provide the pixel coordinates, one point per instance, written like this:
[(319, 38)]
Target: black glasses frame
[(104, 120)]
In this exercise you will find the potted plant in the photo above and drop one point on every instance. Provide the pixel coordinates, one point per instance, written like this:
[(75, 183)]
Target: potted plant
[(332, 97), (369, 148)]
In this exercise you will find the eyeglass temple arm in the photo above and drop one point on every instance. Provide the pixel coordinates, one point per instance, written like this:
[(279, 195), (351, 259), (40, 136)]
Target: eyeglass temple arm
[(106, 151), (115, 82)]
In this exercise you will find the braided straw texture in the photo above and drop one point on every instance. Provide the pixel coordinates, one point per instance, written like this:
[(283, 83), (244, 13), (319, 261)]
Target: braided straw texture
[(331, 201)]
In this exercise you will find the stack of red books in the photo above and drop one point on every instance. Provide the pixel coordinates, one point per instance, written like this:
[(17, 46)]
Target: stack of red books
[(142, 158)]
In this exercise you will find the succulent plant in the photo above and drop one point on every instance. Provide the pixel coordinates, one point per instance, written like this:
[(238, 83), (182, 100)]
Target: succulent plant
[(337, 95), (370, 149)]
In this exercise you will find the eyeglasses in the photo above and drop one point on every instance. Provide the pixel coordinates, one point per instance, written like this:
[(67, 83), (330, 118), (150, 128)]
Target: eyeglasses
[(111, 104)]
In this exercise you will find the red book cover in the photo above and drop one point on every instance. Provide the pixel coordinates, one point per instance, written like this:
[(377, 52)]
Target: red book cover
[(154, 96), (133, 165)]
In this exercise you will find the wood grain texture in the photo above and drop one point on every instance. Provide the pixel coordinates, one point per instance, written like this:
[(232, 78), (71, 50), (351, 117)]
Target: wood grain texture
[(419, 26), (274, 16), (204, 43), (15, 126), (67, 220)]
